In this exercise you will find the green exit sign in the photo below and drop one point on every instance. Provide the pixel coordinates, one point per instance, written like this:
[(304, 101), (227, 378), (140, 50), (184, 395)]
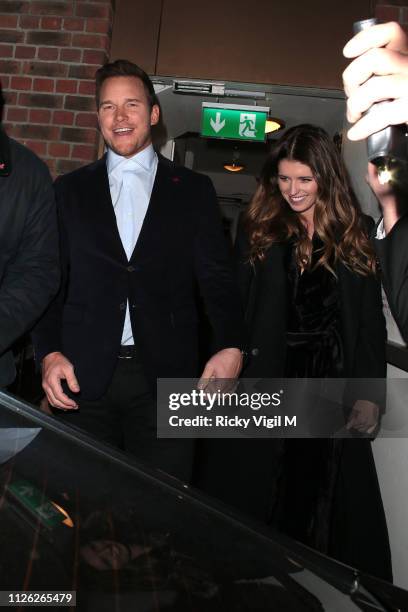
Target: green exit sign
[(233, 121)]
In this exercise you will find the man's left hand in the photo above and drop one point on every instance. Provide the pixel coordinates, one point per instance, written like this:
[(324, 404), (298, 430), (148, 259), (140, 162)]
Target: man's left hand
[(225, 364)]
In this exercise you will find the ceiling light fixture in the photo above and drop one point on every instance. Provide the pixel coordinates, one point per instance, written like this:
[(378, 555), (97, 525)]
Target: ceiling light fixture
[(234, 165), (273, 125)]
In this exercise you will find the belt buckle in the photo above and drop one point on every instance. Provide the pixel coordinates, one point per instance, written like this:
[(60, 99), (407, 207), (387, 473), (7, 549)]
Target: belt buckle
[(128, 352)]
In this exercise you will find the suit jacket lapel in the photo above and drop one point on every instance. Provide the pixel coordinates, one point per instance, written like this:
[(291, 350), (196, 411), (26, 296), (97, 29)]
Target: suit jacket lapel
[(106, 226), (156, 218)]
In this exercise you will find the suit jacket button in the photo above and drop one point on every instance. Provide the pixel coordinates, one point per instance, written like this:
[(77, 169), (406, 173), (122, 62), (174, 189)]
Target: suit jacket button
[(122, 306), (130, 269), (255, 352)]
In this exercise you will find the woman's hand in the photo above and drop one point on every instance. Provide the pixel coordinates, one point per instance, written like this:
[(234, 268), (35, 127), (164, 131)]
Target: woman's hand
[(364, 417)]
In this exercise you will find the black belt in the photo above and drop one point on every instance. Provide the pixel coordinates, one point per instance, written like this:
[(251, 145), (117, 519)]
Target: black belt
[(127, 351)]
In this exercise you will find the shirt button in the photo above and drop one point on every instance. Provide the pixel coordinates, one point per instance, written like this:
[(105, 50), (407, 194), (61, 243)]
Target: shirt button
[(255, 352), (122, 306)]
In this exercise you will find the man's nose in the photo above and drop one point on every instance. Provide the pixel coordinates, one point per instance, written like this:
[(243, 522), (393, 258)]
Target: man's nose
[(120, 114)]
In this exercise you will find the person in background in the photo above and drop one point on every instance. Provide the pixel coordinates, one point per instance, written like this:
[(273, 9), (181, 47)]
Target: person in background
[(313, 308), (379, 73), (29, 263), (138, 235)]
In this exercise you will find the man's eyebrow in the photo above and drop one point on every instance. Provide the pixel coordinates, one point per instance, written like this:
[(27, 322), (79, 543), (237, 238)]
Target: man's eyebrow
[(126, 100)]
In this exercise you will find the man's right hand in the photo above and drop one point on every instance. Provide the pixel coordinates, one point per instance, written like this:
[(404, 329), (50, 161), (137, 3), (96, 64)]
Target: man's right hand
[(378, 72), (56, 367)]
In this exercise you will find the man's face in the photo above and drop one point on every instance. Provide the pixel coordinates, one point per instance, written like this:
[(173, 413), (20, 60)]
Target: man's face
[(124, 115)]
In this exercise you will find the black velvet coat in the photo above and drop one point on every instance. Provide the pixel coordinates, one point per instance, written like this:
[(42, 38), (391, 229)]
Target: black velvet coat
[(250, 475)]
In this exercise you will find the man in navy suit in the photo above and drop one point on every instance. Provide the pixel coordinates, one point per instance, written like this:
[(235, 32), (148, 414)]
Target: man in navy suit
[(138, 234)]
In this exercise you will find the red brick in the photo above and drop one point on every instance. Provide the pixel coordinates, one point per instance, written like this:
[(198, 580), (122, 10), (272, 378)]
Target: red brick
[(80, 103), (40, 132), (66, 86), (86, 120), (13, 6), (23, 83), (38, 100), (85, 152), (59, 149), (11, 36), (51, 8), (74, 24), (11, 96), (96, 57), (81, 71), (89, 41), (48, 53), (8, 21), (48, 39), (63, 117), (17, 114), (86, 88), (51, 23), (28, 22), (387, 13), (9, 67), (44, 85), (23, 52), (39, 115), (47, 69), (67, 165), (71, 55), (40, 148), (78, 135), (88, 9), (98, 26), (4, 81), (6, 50)]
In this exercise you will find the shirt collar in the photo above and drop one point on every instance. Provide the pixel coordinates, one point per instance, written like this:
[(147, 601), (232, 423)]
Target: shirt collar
[(145, 159)]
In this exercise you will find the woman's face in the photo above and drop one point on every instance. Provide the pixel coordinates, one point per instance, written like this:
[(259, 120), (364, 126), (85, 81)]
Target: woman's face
[(298, 186)]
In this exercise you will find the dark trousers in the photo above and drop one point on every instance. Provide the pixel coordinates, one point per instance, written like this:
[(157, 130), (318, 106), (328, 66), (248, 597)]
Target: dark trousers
[(125, 417)]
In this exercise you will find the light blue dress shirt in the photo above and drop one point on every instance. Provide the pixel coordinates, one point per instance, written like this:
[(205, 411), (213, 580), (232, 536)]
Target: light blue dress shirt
[(131, 184)]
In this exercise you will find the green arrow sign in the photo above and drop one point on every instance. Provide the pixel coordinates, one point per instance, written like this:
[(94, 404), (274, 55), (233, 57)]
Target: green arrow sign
[(233, 121)]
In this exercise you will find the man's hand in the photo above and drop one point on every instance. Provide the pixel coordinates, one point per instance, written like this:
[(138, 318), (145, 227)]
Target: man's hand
[(379, 72), (364, 417), (56, 367), (225, 364)]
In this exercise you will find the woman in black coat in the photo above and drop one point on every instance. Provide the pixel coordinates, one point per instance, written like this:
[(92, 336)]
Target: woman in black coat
[(314, 310)]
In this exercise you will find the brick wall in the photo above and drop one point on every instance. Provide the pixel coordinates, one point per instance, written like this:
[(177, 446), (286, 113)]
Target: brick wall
[(49, 51)]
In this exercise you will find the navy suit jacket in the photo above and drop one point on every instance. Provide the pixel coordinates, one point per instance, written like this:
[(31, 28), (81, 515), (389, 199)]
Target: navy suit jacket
[(181, 245)]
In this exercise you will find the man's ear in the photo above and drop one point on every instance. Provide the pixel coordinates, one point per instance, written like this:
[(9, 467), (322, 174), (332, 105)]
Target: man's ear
[(155, 114)]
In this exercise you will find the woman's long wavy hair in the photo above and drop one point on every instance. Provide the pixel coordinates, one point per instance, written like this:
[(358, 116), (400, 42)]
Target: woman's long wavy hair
[(338, 220)]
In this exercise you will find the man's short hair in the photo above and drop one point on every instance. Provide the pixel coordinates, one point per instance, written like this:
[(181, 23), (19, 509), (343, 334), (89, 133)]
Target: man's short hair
[(122, 68)]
